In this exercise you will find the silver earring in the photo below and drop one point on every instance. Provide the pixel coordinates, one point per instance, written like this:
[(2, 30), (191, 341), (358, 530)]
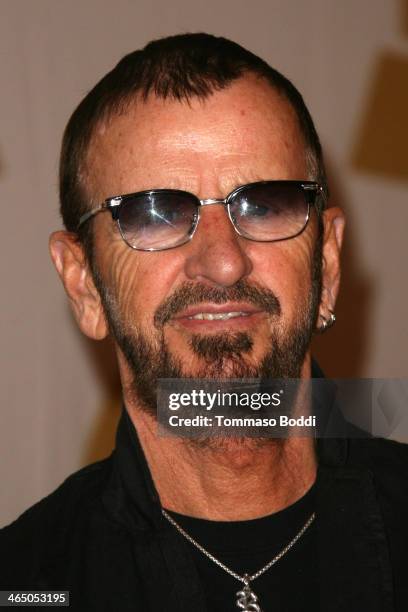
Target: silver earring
[(326, 322)]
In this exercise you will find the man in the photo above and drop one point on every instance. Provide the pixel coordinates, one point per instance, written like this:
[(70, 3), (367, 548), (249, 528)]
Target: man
[(194, 196)]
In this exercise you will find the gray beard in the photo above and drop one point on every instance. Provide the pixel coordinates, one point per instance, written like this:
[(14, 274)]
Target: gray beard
[(223, 355)]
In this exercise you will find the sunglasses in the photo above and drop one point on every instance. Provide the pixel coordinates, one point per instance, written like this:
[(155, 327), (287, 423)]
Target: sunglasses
[(160, 219)]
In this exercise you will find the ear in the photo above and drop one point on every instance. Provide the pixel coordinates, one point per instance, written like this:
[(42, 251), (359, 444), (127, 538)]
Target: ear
[(334, 224), (72, 266)]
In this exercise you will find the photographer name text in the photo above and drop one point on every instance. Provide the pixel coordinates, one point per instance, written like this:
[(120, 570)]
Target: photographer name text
[(223, 421)]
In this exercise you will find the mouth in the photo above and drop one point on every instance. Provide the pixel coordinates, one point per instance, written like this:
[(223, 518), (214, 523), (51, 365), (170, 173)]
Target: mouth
[(215, 317)]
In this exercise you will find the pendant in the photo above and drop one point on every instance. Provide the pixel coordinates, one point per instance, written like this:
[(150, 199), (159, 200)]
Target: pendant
[(247, 600)]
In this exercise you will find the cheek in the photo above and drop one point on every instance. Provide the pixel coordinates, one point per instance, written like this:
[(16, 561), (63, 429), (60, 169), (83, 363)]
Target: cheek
[(286, 269), (142, 281), (139, 281)]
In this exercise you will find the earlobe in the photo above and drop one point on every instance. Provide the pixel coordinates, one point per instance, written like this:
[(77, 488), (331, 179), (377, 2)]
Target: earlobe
[(73, 269), (334, 223)]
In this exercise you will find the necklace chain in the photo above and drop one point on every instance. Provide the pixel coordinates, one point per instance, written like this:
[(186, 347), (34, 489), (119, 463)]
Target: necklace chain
[(246, 579)]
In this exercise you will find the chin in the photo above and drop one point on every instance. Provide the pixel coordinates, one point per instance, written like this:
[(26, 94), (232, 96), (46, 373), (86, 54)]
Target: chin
[(223, 368), (240, 448)]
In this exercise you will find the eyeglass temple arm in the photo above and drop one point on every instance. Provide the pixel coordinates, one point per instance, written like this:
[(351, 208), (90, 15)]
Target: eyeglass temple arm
[(319, 191), (89, 214), (106, 205)]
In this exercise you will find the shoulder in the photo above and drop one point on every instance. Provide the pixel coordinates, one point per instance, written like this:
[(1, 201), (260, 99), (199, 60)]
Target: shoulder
[(387, 461), (379, 453), (82, 487), (43, 530)]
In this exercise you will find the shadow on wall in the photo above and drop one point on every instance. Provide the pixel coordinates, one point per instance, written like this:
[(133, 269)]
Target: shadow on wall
[(342, 350), (380, 149), (101, 440), (381, 146)]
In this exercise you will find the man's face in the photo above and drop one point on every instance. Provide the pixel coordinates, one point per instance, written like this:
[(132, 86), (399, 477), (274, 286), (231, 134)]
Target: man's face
[(154, 300)]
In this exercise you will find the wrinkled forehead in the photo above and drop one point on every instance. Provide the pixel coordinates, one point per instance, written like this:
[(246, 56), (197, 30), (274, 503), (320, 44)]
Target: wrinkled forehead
[(246, 129)]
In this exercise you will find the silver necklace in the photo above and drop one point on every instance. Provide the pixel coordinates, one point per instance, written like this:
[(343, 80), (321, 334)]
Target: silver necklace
[(247, 601)]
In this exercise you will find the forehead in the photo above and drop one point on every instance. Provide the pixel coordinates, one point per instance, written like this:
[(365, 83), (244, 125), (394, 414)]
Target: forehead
[(240, 134)]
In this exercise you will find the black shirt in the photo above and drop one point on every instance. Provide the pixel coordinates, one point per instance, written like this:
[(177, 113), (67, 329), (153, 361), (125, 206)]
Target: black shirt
[(246, 546), (103, 537)]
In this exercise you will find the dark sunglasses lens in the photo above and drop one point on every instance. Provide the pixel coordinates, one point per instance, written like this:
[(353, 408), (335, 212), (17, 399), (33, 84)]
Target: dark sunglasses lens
[(158, 220), (270, 211)]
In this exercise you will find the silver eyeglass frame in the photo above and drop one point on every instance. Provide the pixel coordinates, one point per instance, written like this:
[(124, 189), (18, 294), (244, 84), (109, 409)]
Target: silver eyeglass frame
[(113, 204)]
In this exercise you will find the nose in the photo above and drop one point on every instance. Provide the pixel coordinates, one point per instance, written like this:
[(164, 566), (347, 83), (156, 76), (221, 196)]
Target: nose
[(217, 254)]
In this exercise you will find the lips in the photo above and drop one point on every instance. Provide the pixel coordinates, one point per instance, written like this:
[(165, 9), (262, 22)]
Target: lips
[(217, 317), (217, 312), (240, 305)]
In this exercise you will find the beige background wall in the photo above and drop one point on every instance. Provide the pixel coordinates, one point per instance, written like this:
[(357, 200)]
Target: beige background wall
[(349, 58)]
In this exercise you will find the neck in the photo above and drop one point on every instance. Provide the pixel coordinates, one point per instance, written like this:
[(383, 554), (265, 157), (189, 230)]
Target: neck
[(231, 480)]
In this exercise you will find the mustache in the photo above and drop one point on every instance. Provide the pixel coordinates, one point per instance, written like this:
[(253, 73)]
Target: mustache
[(190, 294)]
